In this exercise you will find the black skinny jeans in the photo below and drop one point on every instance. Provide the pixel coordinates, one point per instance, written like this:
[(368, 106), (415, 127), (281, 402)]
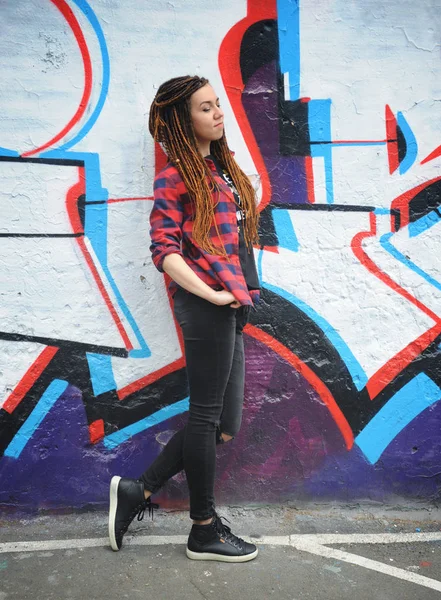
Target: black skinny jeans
[(216, 373)]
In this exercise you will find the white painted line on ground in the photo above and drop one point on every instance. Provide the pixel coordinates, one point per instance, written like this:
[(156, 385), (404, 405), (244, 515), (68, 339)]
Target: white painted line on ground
[(367, 563), (269, 540), (44, 545), (312, 543), (368, 538), (155, 540), (69, 544)]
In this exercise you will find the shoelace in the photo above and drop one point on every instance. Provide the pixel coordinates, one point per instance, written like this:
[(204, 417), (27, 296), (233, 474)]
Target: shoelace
[(152, 506), (140, 509), (225, 531)]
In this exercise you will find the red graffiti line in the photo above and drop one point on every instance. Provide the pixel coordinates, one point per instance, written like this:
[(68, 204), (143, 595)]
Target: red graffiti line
[(72, 195), (432, 155), (72, 210), (160, 162), (311, 378), (367, 262), (161, 158), (309, 173), (29, 378), (76, 29), (96, 431), (400, 361), (128, 344), (273, 249), (401, 203), (392, 144), (229, 65), (395, 365), (149, 379)]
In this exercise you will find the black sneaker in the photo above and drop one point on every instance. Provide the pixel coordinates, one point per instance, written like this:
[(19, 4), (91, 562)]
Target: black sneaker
[(126, 500), (216, 542)]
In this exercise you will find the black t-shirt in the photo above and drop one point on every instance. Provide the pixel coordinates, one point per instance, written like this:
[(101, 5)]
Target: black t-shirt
[(246, 256)]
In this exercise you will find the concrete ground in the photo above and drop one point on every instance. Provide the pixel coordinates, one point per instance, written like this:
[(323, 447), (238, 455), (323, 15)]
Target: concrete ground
[(326, 553)]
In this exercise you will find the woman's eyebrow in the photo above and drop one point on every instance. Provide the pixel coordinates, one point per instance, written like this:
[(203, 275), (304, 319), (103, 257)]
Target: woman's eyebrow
[(208, 102)]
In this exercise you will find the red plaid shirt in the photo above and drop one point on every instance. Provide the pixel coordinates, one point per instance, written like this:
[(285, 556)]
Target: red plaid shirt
[(171, 232)]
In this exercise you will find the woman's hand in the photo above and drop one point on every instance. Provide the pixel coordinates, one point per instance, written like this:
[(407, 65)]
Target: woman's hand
[(224, 297), (175, 266)]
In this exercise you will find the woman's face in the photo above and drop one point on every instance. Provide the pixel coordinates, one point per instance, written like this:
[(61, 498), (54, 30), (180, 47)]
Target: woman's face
[(206, 115)]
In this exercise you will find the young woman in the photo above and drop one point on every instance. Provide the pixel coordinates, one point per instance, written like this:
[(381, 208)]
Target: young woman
[(203, 224)]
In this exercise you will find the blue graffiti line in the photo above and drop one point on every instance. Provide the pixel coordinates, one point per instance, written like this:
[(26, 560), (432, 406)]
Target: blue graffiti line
[(285, 230), (423, 224), (390, 248), (325, 151), (319, 123), (119, 437), (259, 265), (319, 120), (288, 23), (90, 15), (101, 373), (43, 406), (96, 232), (355, 369), (402, 408), (94, 190), (411, 144), (7, 152)]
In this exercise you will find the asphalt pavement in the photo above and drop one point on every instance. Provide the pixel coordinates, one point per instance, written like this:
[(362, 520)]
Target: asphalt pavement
[(323, 552)]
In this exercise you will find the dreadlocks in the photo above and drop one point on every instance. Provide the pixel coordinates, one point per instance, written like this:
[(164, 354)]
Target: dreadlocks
[(170, 125)]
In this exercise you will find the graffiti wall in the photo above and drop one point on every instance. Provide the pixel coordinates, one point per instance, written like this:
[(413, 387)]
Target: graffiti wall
[(334, 107)]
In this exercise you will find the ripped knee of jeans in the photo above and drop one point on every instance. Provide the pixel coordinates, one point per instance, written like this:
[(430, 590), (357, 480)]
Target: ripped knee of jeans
[(222, 436)]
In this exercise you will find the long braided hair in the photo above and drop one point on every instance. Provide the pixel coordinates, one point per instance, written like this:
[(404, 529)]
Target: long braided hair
[(170, 124)]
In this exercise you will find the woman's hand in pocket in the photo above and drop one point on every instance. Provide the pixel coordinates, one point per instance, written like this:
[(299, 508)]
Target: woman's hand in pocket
[(223, 297)]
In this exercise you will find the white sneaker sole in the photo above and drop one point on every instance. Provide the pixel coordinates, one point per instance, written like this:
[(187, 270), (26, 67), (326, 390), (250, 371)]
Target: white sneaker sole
[(112, 511), (220, 557)]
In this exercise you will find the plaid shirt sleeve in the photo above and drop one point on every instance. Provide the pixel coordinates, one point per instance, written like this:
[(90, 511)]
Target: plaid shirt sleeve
[(166, 220)]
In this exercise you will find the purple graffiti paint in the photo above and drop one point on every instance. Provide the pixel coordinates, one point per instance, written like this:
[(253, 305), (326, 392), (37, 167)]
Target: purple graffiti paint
[(286, 173), (288, 449)]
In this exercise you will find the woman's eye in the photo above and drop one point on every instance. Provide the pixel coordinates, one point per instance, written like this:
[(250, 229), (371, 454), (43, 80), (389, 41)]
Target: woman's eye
[(206, 109)]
